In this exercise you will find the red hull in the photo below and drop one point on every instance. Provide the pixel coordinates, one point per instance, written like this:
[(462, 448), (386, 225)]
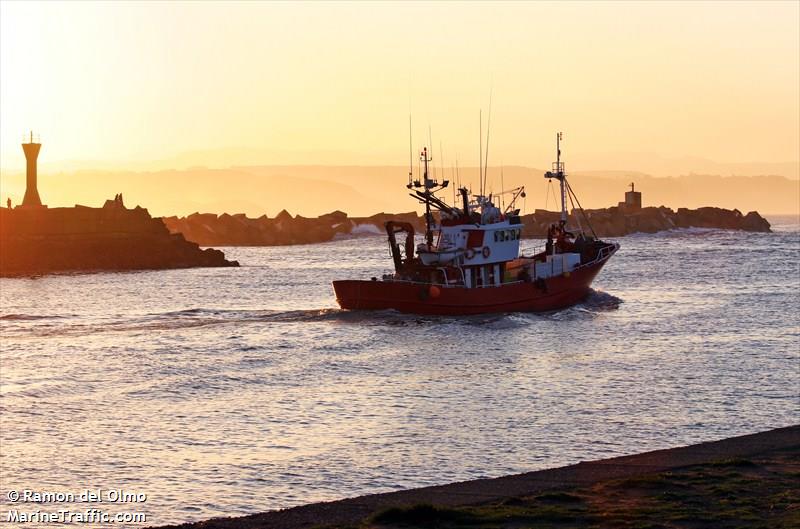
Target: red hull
[(559, 292)]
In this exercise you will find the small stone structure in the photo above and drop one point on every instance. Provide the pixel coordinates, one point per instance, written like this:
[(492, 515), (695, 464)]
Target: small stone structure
[(633, 201)]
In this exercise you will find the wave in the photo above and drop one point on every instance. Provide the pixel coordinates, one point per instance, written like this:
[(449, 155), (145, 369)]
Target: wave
[(679, 232), (28, 317), (355, 235)]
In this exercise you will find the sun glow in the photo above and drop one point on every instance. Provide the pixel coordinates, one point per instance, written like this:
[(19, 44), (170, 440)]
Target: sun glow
[(174, 85)]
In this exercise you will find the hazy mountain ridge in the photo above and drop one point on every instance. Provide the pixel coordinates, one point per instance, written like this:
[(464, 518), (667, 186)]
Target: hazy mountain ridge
[(243, 157), (363, 190)]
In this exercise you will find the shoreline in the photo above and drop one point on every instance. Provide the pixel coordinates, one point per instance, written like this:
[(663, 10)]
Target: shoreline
[(353, 511)]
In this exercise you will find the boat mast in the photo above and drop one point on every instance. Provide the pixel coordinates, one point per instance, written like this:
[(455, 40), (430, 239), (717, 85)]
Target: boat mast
[(562, 176), (428, 185), (559, 174)]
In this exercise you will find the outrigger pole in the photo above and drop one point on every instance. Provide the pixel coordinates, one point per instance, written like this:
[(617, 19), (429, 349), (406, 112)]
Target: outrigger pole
[(435, 201)]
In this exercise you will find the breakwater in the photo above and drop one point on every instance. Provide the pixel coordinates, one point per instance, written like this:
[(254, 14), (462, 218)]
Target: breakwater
[(210, 229), (39, 240)]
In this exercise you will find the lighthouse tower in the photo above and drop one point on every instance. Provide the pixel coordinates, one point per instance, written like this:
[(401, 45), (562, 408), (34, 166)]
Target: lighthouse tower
[(31, 191)]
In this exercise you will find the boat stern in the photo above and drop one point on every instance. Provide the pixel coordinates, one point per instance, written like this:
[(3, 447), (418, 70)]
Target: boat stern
[(348, 293)]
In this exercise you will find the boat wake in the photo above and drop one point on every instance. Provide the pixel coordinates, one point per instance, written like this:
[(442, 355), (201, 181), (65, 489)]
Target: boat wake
[(60, 325), (599, 301)]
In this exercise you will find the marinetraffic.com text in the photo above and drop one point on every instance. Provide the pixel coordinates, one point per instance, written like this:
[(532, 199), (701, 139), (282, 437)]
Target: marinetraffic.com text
[(35, 506)]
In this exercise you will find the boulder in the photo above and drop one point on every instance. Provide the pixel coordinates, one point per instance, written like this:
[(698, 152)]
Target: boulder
[(334, 217), (755, 222)]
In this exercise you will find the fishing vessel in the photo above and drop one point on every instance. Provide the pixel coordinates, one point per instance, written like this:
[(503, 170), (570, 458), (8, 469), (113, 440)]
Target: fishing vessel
[(469, 259)]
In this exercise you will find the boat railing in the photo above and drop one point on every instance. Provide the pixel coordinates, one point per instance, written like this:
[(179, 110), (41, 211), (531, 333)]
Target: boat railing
[(604, 253), (447, 281), (539, 248), (409, 281), (412, 282)]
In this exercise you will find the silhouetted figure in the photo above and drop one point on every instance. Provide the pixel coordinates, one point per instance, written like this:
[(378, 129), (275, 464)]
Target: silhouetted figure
[(563, 243), (551, 232), (8, 202)]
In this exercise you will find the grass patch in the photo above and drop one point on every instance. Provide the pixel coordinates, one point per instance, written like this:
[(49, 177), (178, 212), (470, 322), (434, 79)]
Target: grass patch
[(422, 515), (513, 501), (733, 462), (558, 509), (558, 497), (724, 494)]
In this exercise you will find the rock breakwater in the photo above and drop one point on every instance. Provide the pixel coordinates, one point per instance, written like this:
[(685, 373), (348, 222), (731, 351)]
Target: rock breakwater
[(209, 229), (42, 240)]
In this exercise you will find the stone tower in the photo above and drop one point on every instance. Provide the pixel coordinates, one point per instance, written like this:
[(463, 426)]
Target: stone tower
[(633, 199), (31, 191)]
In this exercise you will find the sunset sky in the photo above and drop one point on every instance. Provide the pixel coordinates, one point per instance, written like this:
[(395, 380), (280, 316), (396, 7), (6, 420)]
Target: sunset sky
[(217, 84)]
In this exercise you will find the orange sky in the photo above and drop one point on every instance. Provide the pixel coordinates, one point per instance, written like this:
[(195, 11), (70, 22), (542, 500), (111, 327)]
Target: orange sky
[(170, 85)]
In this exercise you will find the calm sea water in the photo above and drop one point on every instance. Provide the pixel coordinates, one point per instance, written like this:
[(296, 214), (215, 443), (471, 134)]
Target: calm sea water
[(233, 391)]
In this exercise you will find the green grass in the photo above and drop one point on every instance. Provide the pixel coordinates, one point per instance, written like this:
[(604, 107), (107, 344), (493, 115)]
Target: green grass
[(726, 494)]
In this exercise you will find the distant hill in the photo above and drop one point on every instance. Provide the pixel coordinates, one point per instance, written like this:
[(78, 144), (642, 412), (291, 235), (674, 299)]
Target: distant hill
[(363, 190)]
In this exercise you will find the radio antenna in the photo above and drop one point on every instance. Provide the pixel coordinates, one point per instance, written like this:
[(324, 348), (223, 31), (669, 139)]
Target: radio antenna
[(410, 152), (480, 151), (488, 127), (502, 186), (430, 144), (453, 178), (441, 161)]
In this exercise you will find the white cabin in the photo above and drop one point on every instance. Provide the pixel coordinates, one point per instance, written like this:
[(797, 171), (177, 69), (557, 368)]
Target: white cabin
[(473, 245)]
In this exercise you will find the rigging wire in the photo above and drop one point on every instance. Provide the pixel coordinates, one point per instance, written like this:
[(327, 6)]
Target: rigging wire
[(550, 191), (524, 199), (488, 128), (580, 208), (547, 194), (577, 217)]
